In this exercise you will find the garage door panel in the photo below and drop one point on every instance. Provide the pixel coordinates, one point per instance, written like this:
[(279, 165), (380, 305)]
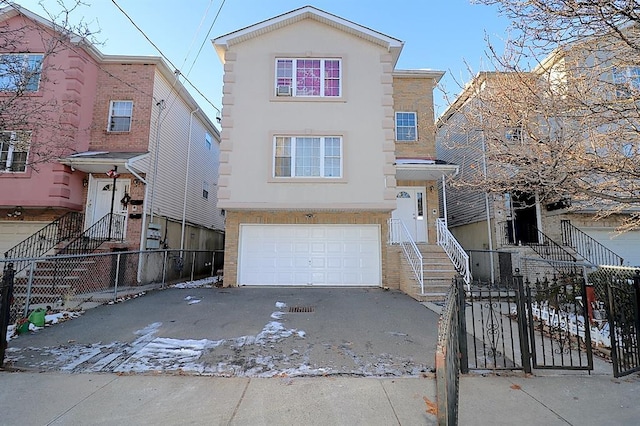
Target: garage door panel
[(309, 254), (318, 248)]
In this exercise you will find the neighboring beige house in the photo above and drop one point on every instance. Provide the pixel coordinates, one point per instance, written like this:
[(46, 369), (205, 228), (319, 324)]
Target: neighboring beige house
[(519, 222), (323, 143)]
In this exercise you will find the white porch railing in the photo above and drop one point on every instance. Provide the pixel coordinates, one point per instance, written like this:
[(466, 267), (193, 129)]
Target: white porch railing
[(454, 250), (399, 234)]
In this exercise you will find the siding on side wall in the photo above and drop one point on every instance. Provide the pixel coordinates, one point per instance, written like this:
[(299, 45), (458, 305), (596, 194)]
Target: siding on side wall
[(172, 161), (455, 145)]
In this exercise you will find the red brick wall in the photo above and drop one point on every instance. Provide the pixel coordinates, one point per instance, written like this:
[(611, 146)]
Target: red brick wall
[(123, 82)]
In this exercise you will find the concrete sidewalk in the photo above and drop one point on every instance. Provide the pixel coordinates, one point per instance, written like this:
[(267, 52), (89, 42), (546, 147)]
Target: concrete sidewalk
[(571, 399), (108, 399)]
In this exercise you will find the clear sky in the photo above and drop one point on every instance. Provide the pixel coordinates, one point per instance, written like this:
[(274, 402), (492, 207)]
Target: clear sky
[(446, 35)]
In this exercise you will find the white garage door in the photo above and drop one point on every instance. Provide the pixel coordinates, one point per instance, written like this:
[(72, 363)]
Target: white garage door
[(13, 232), (329, 255), (626, 244)]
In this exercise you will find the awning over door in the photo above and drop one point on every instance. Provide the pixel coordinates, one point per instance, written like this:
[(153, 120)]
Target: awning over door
[(103, 161), (423, 169)]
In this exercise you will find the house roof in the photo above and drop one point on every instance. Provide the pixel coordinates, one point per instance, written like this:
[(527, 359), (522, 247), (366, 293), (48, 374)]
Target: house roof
[(14, 9), (103, 161), (393, 45)]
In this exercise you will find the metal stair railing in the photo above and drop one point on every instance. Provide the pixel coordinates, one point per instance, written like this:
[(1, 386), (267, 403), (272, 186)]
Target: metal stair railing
[(399, 234), (64, 228), (454, 250), (588, 247), (110, 227), (548, 248)]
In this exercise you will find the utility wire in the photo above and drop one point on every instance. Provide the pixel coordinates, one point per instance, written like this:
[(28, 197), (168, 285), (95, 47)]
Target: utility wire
[(177, 71), (206, 37), (195, 36), (74, 48)]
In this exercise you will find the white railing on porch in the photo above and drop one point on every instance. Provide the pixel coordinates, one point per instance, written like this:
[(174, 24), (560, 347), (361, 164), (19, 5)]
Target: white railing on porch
[(454, 250), (399, 234)]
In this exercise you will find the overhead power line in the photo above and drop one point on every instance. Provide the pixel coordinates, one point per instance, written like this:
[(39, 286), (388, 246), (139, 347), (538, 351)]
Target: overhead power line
[(177, 71)]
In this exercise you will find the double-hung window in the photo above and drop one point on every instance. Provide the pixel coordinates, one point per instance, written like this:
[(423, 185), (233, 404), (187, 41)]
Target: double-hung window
[(308, 156), (120, 113), (627, 82), (207, 141), (406, 127), (20, 72), (313, 77), (14, 150)]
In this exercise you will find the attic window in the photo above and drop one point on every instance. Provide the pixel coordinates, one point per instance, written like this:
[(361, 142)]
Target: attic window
[(310, 77)]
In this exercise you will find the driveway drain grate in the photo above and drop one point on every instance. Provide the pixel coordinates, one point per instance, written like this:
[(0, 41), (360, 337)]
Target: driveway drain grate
[(301, 309)]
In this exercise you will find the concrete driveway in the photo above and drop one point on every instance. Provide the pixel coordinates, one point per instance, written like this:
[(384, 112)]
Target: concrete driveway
[(242, 332)]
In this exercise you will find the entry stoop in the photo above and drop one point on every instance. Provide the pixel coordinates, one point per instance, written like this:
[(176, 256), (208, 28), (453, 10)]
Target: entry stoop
[(438, 274)]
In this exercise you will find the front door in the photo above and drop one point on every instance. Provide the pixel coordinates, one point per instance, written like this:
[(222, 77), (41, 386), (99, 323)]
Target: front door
[(411, 207), (101, 193)]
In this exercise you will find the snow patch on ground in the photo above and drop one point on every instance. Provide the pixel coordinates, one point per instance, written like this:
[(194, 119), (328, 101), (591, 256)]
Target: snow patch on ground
[(203, 283)]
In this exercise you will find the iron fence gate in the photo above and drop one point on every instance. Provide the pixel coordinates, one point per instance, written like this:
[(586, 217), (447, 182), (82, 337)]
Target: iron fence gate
[(494, 327), (617, 290), (553, 315), (520, 323), (559, 331)]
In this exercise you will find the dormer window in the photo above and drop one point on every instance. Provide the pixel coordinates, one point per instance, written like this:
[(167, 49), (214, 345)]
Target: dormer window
[(120, 114), (310, 77)]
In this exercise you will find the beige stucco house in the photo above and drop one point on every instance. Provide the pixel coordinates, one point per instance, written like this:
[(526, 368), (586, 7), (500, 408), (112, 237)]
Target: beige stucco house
[(323, 142)]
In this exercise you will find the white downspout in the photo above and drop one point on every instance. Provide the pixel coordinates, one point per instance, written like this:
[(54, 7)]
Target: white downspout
[(444, 202), (186, 182), (486, 206)]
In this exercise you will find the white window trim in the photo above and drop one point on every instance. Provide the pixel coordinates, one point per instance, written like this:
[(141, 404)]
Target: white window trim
[(293, 89), (111, 115), (208, 142), (415, 127), (322, 157), (6, 167)]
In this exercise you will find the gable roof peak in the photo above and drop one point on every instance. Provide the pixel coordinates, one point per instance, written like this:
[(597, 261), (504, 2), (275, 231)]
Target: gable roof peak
[(222, 43)]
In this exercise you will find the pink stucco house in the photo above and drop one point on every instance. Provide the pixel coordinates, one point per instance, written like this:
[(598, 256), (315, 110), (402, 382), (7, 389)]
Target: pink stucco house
[(113, 136)]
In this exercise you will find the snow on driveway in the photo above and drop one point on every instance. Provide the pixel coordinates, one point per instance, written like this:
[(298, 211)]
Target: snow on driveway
[(274, 351)]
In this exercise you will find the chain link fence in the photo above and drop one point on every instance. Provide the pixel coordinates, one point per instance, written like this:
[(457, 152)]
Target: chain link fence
[(71, 281)]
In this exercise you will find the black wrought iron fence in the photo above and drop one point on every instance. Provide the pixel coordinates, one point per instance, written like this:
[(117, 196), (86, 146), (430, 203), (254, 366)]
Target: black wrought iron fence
[(497, 338), (614, 309), (451, 335)]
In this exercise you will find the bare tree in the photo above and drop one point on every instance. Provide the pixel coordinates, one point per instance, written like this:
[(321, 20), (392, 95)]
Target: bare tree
[(33, 126), (560, 116)]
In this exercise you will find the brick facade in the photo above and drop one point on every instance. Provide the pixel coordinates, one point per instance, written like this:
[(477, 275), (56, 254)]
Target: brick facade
[(123, 82), (236, 218)]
